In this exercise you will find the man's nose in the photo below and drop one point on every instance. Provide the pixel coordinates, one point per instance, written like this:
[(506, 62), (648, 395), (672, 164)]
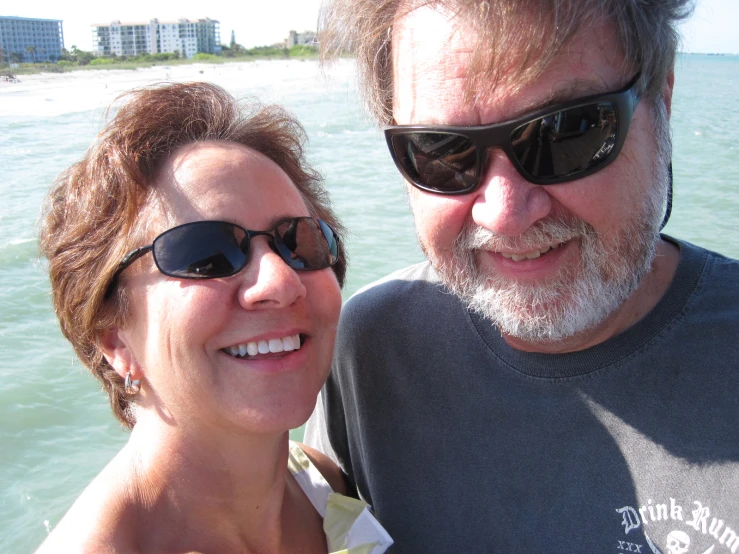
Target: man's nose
[(506, 202)]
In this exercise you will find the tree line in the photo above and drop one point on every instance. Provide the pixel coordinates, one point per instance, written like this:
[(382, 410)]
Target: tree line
[(78, 57)]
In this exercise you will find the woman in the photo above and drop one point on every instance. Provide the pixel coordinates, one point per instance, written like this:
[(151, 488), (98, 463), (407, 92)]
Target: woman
[(195, 267)]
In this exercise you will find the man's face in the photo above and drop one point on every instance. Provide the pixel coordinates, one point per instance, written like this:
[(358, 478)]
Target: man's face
[(544, 263)]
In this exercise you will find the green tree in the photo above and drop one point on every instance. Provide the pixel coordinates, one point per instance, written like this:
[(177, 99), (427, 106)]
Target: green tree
[(32, 52), (84, 58), (303, 51)]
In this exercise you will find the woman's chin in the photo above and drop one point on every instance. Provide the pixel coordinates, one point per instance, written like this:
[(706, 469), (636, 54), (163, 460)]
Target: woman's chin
[(290, 413)]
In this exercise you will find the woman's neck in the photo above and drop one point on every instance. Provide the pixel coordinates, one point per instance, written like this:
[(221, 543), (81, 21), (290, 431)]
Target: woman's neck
[(212, 490)]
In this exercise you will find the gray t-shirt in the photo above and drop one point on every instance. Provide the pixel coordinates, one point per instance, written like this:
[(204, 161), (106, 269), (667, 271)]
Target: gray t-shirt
[(463, 444)]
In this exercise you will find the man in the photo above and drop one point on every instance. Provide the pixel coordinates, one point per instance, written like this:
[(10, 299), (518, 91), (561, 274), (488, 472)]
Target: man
[(577, 392)]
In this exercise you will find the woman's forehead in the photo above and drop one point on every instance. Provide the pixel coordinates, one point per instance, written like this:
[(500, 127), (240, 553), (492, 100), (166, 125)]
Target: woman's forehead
[(223, 181)]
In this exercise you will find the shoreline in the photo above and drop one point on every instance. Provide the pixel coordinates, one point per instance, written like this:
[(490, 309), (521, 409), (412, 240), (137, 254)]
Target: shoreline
[(48, 94), (82, 72)]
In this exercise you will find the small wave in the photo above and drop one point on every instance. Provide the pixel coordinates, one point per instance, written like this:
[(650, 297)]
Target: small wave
[(17, 242)]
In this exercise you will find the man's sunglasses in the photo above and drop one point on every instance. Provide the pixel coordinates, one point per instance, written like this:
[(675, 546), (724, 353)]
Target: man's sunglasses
[(214, 249), (553, 145)]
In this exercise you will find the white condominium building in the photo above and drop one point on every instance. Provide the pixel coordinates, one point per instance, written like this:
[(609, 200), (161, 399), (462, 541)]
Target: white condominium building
[(24, 39), (188, 37), (306, 37)]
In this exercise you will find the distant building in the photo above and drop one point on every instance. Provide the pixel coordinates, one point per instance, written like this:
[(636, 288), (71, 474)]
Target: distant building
[(306, 37), (23, 39), (188, 37)]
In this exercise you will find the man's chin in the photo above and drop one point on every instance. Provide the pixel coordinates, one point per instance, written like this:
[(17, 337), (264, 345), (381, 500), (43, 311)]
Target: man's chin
[(539, 316), (573, 303)]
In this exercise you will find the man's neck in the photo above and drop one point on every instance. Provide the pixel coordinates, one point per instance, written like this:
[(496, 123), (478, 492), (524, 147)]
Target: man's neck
[(652, 288)]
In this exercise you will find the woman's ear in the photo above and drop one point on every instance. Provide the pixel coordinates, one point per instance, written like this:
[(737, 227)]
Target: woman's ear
[(118, 354)]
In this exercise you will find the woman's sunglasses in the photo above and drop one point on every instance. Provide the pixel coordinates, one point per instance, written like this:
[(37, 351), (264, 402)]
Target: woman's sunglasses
[(214, 249), (554, 145)]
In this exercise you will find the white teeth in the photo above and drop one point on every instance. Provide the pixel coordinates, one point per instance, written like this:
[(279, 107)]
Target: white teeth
[(284, 344), (528, 255), (263, 347), (275, 345)]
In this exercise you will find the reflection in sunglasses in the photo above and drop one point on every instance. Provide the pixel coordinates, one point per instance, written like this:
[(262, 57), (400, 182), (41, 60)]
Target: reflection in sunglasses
[(217, 263), (568, 141), (443, 160)]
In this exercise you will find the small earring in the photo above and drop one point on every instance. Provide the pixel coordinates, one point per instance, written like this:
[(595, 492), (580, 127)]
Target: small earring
[(131, 387)]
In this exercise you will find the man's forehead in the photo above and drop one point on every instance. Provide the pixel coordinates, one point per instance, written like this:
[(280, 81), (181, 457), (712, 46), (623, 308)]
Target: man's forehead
[(427, 30), (436, 78)]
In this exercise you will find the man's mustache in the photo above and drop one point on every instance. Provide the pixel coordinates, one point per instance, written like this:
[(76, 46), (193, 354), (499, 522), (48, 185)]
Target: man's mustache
[(545, 232)]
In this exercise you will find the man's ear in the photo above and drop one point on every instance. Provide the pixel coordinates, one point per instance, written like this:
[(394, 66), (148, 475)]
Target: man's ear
[(667, 91), (119, 354)]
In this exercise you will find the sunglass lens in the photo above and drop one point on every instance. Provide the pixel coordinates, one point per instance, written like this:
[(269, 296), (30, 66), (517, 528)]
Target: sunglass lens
[(566, 143), (442, 162), (306, 243), (202, 250), (331, 240)]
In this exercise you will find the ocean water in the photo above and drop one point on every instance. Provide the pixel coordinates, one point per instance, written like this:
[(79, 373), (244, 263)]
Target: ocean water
[(56, 430)]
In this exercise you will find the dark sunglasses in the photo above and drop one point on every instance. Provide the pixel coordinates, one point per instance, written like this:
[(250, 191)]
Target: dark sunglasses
[(214, 249), (553, 145)]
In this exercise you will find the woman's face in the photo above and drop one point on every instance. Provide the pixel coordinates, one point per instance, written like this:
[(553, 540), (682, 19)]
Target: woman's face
[(181, 332)]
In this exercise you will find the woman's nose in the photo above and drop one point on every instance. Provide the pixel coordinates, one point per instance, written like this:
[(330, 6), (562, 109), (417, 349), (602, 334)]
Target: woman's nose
[(268, 282)]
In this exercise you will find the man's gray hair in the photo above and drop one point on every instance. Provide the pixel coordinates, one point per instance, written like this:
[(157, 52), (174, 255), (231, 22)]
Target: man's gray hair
[(535, 30)]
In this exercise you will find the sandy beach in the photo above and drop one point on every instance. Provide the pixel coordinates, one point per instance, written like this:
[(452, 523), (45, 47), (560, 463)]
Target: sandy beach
[(49, 94)]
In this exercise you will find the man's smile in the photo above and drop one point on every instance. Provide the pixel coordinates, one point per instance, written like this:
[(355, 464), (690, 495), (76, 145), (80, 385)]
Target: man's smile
[(530, 255)]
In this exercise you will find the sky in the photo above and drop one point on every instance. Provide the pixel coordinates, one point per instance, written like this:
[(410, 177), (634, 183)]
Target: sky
[(713, 27)]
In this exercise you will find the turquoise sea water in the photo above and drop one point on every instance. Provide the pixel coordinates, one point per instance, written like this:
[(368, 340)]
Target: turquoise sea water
[(56, 430)]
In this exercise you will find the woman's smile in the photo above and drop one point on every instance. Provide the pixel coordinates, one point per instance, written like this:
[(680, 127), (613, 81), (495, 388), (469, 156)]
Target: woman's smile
[(265, 348)]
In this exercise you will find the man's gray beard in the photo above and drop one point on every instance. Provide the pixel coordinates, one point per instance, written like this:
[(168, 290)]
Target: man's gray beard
[(578, 298)]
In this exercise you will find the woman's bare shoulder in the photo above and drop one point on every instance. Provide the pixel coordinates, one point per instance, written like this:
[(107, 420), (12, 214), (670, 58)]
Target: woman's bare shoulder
[(101, 520), (330, 471)]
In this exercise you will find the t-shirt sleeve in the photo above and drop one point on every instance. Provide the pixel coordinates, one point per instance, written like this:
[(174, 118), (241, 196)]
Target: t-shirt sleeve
[(316, 431)]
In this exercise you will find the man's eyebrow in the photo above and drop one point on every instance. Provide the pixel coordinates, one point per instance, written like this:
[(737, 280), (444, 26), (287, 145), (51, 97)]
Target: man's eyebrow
[(564, 92)]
